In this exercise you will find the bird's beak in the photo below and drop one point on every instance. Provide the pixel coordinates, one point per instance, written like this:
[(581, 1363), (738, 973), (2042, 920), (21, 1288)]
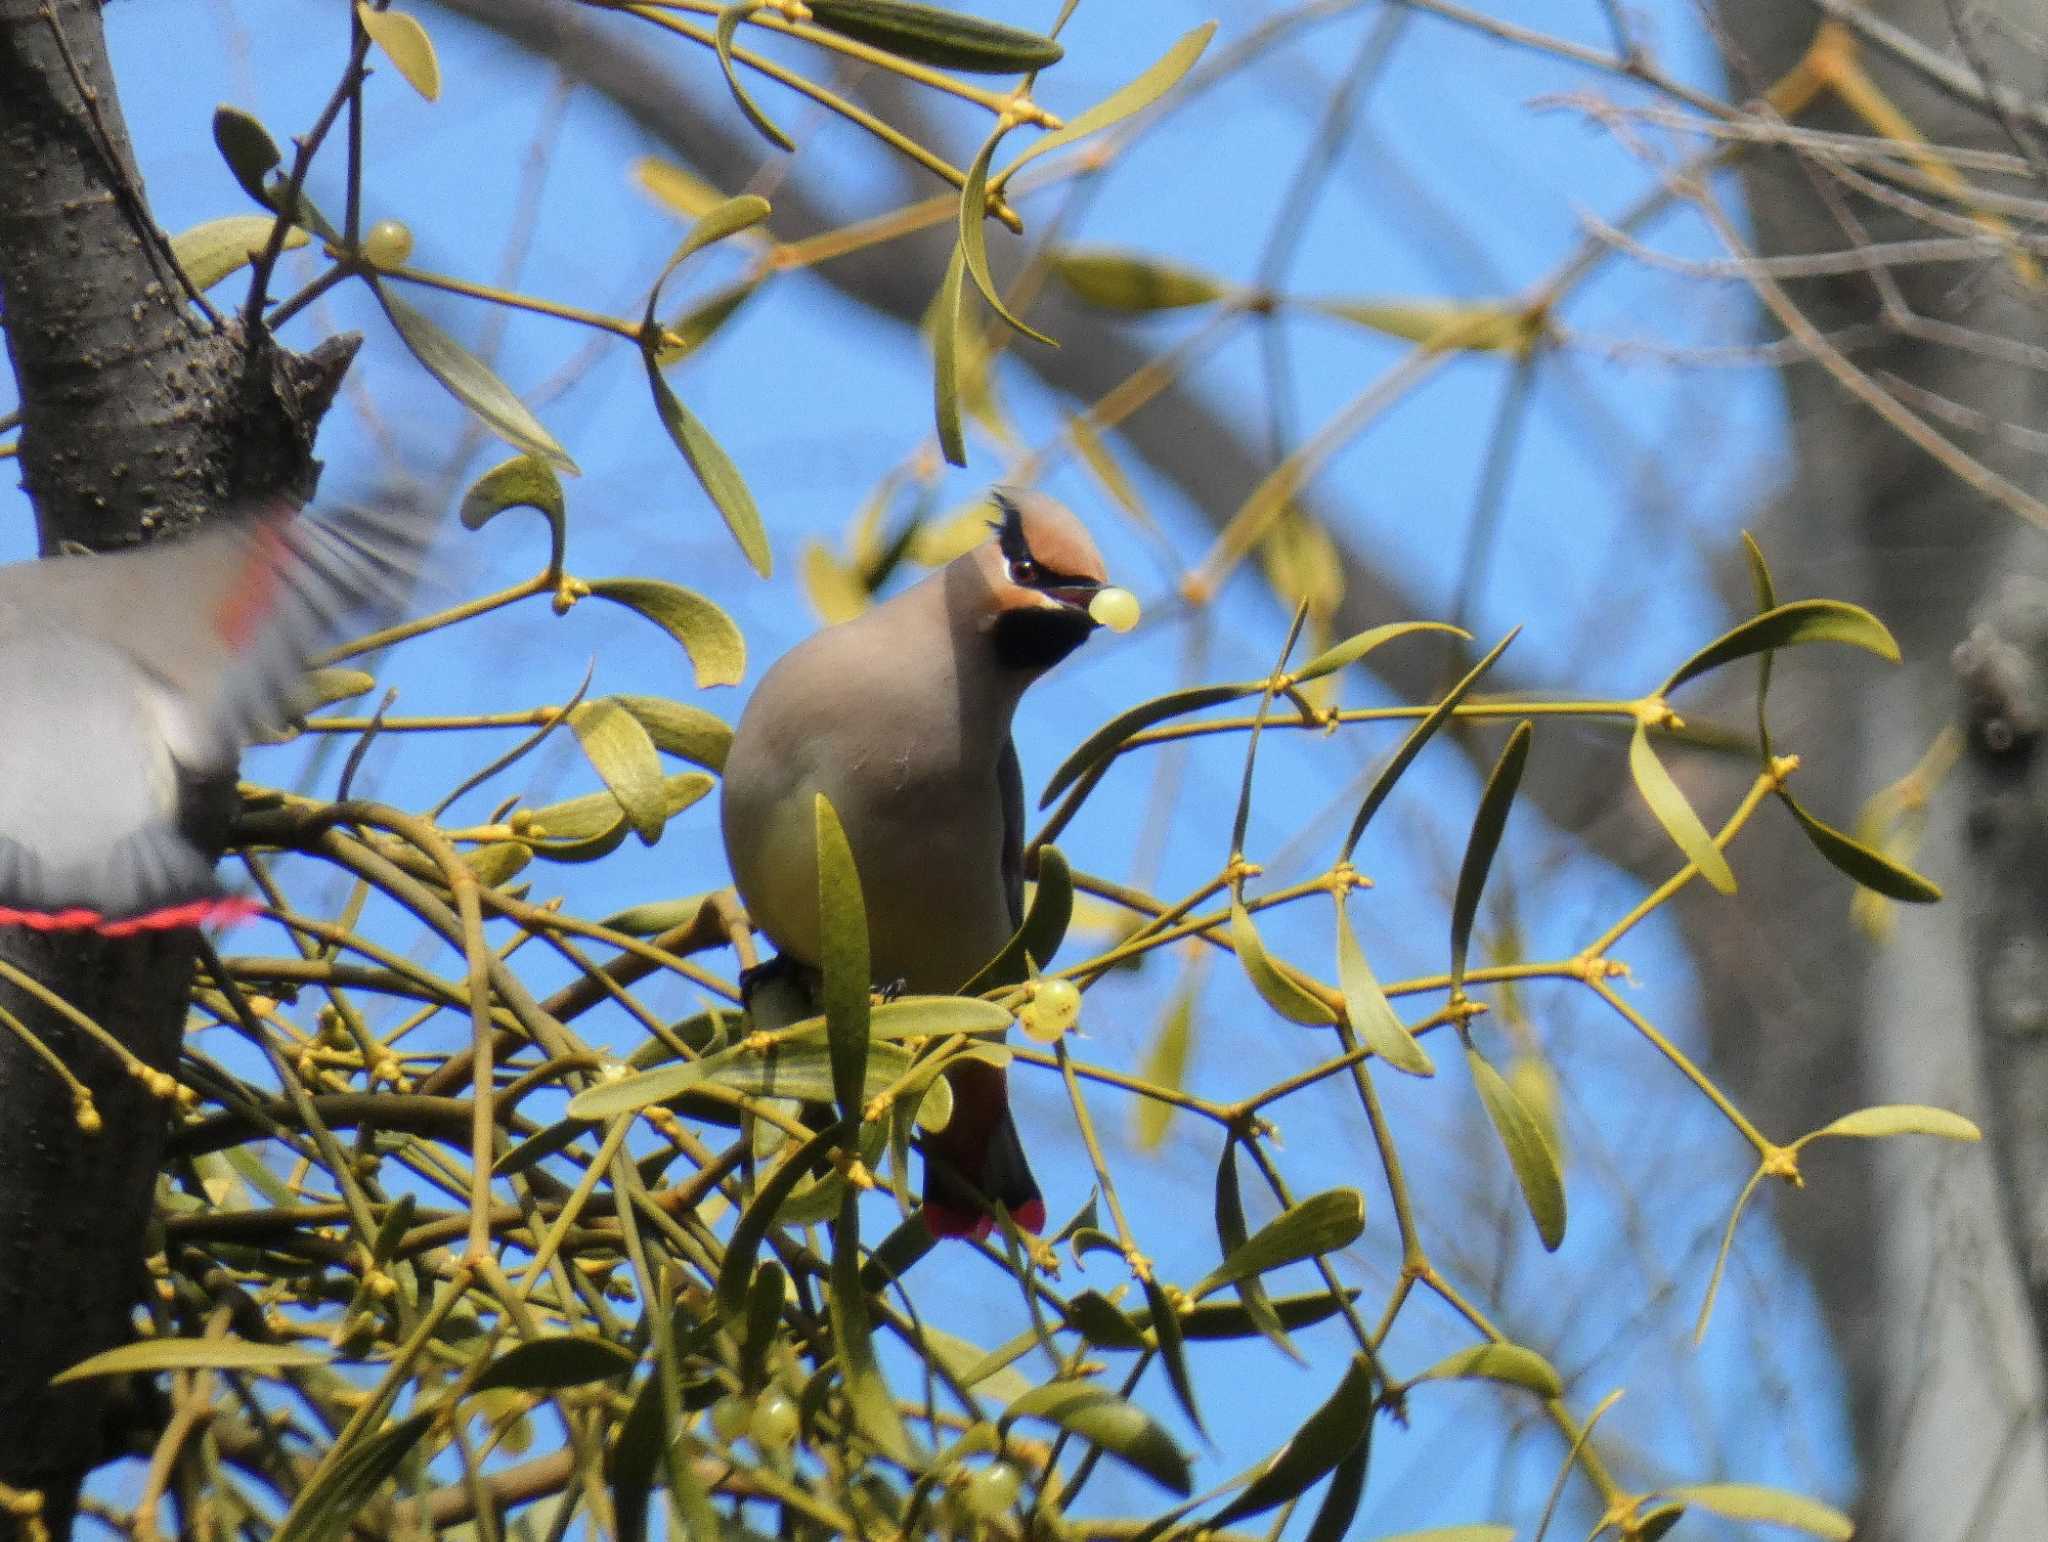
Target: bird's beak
[(1074, 596)]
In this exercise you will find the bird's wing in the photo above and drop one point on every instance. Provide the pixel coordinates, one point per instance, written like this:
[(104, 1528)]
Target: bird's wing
[(1010, 780), (226, 619), (88, 790), (118, 671)]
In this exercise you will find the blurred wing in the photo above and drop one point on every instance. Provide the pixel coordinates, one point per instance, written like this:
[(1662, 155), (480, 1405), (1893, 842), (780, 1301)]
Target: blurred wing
[(88, 792), (226, 619), (119, 671)]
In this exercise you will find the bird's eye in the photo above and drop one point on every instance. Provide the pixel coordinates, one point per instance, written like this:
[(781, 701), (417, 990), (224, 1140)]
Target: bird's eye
[(1023, 571)]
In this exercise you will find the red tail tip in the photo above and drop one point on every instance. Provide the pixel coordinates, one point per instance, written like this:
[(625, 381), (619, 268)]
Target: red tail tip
[(201, 912), (945, 1221)]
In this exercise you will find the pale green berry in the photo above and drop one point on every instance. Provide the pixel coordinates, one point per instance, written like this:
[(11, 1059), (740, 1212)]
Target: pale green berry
[(1050, 1010), (991, 1491), (389, 243), (1116, 609), (774, 1424), (730, 1416)]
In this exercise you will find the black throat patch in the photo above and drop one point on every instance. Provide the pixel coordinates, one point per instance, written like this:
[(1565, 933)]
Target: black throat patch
[(1039, 637)]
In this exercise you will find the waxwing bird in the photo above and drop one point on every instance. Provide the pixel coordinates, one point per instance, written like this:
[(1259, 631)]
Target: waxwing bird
[(126, 678), (901, 717)]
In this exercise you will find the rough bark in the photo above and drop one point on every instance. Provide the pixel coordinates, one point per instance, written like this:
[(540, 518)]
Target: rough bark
[(139, 417), (1915, 1274)]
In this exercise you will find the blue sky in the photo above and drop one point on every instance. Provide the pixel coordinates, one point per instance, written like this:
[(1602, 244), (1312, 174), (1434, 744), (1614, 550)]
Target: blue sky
[(1464, 178)]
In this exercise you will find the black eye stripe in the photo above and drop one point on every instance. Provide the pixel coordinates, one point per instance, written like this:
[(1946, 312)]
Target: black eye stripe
[(1016, 550)]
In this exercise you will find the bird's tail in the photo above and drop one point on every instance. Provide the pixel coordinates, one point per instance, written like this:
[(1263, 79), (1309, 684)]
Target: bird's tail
[(977, 1159)]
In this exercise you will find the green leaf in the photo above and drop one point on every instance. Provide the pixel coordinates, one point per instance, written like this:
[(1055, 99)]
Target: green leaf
[(1868, 867), (1418, 736), (1535, 1164), (210, 252), (635, 1456), (1117, 280), (406, 44), (1368, 1010), (717, 651), (1102, 1323), (1359, 644), (1275, 986), (1103, 1419), (147, 1357), (1749, 1188), (728, 22), (1655, 1524), (524, 482), (1162, 76), (1801, 621), (689, 733), (1509, 1363), (1889, 1119), (973, 1367), (942, 38), (1231, 1320), (934, 1017), (576, 829), (736, 1271), (1165, 1065), (1487, 825), (701, 322), (707, 460), (324, 687), (799, 1070), (1099, 745), (621, 752), (1443, 326), (1668, 802), (470, 381), (656, 916), (1325, 1438), (1340, 1499), (1754, 1502), (676, 189), (541, 1145), (1320, 1224), (247, 147), (843, 959), (1043, 930), (329, 1505), (500, 861), (1172, 1351), (974, 235), (728, 219), (1766, 600), (555, 1361), (714, 470), (947, 320), (867, 1391), (1231, 1234)]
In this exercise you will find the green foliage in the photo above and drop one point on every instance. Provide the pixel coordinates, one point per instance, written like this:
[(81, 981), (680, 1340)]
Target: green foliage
[(701, 1263)]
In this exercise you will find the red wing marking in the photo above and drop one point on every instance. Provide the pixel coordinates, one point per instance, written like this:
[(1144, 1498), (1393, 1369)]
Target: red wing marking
[(202, 912), (252, 595)]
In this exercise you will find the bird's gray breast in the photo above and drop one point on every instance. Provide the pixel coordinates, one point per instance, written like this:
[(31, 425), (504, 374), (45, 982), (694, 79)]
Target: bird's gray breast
[(907, 753)]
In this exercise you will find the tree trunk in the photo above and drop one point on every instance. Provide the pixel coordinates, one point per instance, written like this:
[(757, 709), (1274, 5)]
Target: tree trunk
[(139, 417), (1910, 1251)]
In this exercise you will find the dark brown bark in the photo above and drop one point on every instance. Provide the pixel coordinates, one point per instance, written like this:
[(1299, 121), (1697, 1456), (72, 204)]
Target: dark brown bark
[(140, 416)]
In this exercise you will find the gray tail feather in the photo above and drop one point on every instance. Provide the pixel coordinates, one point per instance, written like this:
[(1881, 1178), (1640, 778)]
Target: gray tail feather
[(148, 868)]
